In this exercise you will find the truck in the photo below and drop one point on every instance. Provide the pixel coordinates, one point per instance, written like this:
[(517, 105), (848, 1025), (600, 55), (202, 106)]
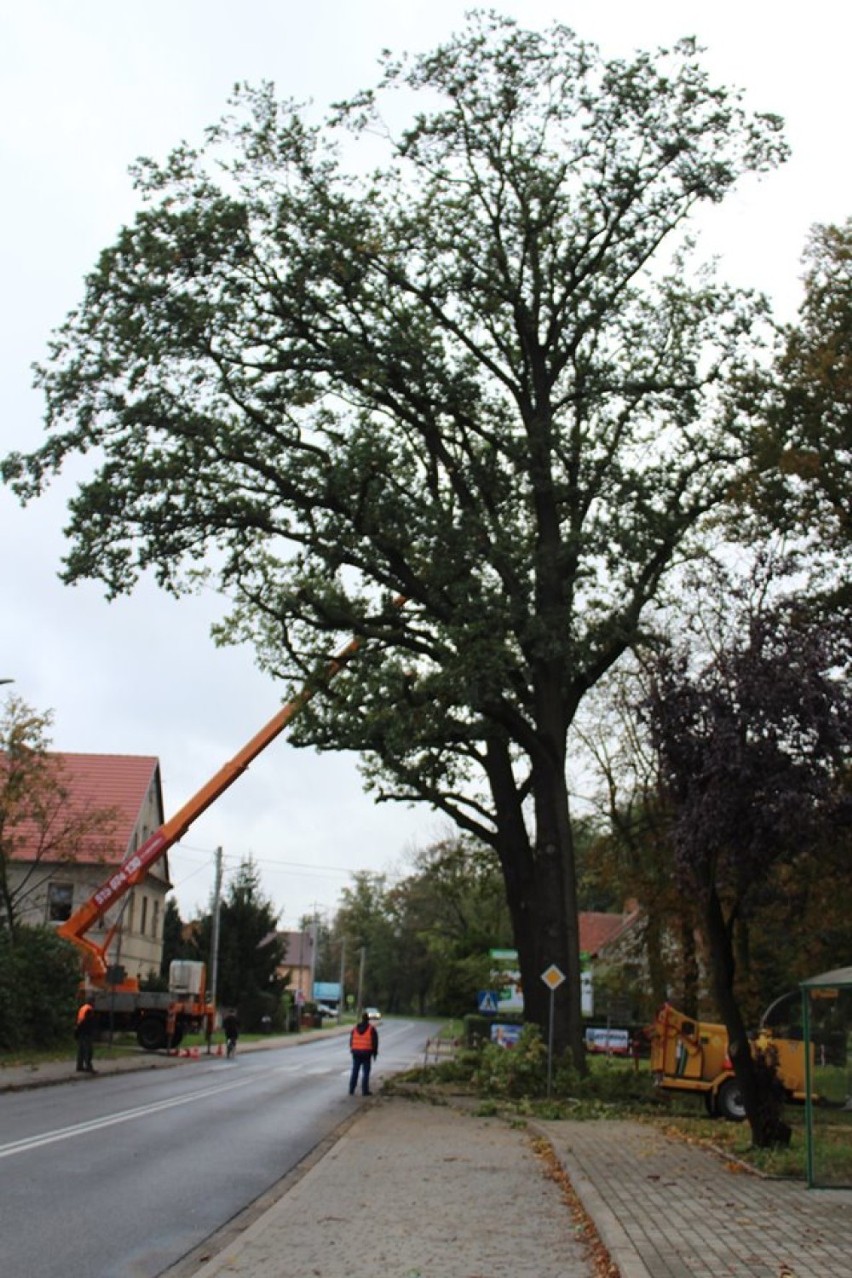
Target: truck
[(161, 1019), (688, 1055), (158, 1018)]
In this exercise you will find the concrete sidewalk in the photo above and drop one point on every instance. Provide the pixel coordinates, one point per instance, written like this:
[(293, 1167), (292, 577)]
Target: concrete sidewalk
[(418, 1190)]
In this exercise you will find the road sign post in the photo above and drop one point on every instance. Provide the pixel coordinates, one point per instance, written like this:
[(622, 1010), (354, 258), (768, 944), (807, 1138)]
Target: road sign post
[(552, 978)]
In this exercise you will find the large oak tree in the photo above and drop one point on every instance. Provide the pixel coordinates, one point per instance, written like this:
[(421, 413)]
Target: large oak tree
[(484, 377)]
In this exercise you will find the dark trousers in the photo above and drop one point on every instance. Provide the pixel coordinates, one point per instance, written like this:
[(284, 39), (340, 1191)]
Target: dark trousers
[(84, 1051), (361, 1061)]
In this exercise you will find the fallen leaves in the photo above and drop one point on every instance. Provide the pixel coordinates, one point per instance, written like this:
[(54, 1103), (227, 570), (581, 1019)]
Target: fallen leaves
[(599, 1258)]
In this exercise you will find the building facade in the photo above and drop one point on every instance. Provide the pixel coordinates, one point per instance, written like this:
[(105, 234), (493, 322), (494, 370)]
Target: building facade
[(109, 806)]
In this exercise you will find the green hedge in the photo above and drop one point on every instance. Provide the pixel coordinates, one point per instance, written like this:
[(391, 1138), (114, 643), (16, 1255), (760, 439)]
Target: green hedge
[(39, 977)]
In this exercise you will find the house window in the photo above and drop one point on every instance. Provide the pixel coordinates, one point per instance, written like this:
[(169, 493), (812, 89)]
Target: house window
[(155, 922), (144, 920), (128, 925), (60, 897)]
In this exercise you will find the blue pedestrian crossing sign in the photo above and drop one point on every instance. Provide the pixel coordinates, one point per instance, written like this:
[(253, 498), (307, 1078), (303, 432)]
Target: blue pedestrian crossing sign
[(486, 1001)]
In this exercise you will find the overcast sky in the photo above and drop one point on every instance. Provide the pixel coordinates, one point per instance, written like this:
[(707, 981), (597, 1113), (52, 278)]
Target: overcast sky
[(87, 86)]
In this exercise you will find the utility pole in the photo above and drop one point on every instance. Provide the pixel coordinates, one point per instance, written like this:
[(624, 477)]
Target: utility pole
[(361, 965), (214, 939), (314, 934), (341, 1003)]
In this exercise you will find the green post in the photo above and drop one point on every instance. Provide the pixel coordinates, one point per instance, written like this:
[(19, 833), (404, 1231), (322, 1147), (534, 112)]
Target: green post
[(809, 1108)]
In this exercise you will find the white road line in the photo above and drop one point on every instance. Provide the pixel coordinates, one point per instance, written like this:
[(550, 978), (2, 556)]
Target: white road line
[(124, 1116)]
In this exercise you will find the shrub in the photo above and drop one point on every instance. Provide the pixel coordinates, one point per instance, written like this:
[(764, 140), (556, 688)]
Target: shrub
[(39, 977), (477, 1029), (513, 1071)]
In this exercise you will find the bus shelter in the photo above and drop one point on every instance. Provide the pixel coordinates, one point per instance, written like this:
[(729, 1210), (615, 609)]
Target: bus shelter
[(826, 1026)]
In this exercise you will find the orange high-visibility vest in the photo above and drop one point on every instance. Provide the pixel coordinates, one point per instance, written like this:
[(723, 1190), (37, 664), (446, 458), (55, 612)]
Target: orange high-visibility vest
[(362, 1040), (83, 1012)]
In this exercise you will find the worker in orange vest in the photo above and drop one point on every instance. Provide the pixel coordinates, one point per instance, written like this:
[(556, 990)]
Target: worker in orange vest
[(84, 1032), (364, 1046)]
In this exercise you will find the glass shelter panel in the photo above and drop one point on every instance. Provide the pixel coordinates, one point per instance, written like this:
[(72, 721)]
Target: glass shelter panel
[(827, 1024)]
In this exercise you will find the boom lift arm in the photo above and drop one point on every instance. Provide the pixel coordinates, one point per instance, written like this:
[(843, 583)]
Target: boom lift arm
[(135, 867)]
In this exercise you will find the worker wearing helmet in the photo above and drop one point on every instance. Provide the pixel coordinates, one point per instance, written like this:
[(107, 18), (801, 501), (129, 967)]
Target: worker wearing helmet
[(364, 1046)]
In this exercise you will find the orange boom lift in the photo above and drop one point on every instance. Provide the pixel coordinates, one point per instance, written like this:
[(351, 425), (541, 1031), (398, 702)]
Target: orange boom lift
[(161, 1019)]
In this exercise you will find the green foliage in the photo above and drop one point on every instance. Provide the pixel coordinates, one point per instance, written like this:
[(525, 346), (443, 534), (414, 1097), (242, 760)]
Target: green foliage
[(250, 949), (426, 938), (39, 976), (804, 435), (517, 1077), (462, 914), (516, 1071), (371, 929)]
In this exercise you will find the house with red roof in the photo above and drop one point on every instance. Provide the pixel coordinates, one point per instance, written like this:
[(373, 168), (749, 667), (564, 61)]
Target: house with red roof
[(104, 807), (600, 933), (614, 965)]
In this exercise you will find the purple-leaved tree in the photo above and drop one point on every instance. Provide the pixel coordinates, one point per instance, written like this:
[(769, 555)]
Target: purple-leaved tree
[(753, 746)]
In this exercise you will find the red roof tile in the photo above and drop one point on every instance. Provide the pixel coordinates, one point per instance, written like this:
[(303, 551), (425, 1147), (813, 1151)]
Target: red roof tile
[(94, 782), (599, 930)]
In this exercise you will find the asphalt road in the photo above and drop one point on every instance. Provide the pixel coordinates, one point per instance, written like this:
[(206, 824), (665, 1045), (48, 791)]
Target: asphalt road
[(125, 1176)]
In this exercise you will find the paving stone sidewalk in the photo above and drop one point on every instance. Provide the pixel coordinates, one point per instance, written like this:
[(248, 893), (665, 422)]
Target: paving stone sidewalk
[(666, 1209)]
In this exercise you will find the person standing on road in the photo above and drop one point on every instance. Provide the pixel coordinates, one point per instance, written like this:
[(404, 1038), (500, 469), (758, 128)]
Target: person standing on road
[(84, 1032), (231, 1026), (364, 1046)]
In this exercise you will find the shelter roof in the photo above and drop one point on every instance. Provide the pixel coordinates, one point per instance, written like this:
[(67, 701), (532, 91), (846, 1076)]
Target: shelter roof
[(826, 980)]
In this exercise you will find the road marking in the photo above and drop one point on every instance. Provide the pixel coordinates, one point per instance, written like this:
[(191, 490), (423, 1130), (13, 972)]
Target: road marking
[(124, 1116)]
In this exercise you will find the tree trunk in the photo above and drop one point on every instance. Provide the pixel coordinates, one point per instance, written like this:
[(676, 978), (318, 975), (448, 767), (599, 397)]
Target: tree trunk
[(762, 1095), (689, 965), (542, 899)]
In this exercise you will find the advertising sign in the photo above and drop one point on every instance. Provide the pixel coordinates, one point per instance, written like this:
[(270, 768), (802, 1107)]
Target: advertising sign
[(506, 979), (612, 1042), (505, 1035)]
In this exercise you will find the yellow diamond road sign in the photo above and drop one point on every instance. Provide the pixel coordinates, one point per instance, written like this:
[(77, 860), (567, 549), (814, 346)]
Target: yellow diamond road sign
[(553, 978)]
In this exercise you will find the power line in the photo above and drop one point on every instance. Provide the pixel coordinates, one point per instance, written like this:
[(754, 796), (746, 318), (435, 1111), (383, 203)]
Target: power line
[(238, 858)]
